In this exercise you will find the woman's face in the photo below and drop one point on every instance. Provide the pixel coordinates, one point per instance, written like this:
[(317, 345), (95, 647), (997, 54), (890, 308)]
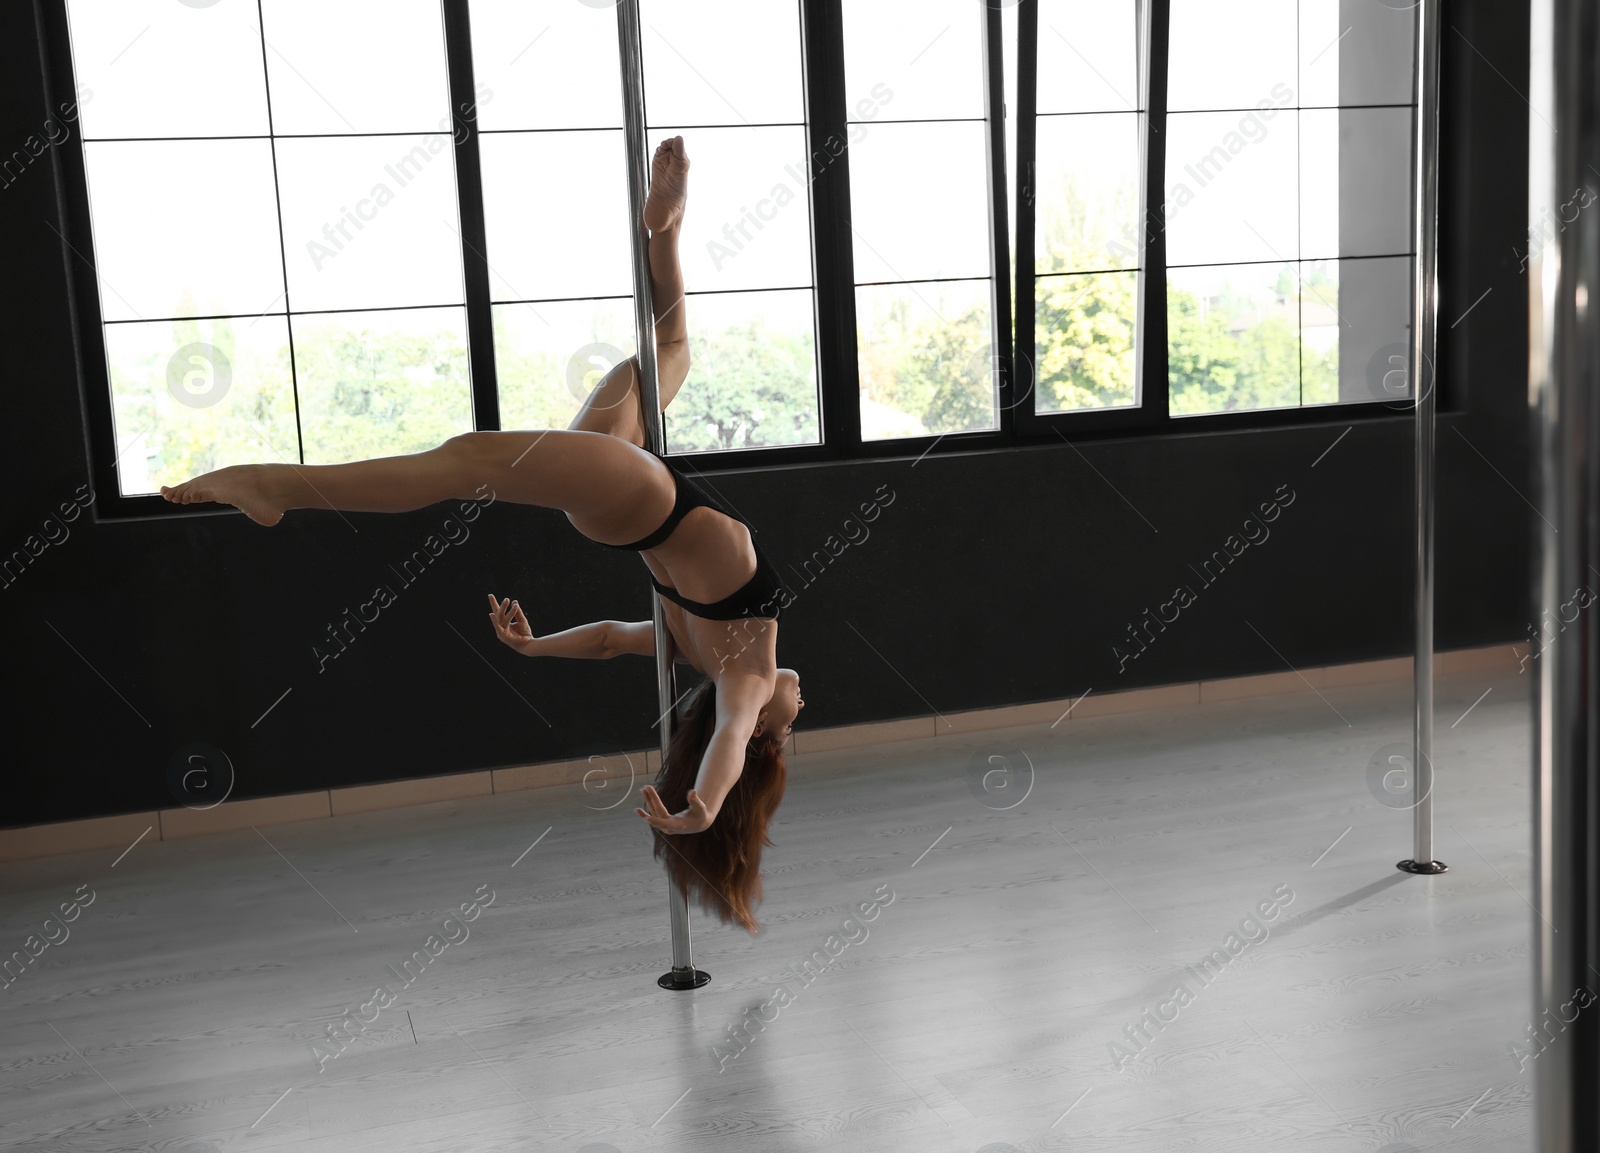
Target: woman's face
[(779, 715)]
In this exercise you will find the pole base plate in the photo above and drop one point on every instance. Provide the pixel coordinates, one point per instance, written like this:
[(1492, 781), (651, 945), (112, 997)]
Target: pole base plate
[(684, 979), (1424, 867)]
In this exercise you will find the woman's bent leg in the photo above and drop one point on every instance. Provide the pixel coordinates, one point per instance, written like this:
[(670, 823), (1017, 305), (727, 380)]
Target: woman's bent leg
[(611, 486)]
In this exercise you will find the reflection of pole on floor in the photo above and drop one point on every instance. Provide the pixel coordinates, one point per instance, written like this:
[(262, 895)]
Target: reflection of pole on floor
[(1424, 331), (683, 974), (1563, 381)]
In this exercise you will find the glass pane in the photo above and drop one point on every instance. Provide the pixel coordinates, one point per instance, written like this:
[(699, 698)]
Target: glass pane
[(1084, 341), (923, 56), (1355, 184), (748, 219), (380, 383), (1231, 54), (156, 68), (168, 244), (370, 222), (189, 396), (356, 66), (1089, 56), (907, 227), (1373, 349), (1356, 53), (1088, 193), (556, 215), (1232, 187), (546, 64), (721, 62), (753, 377), (549, 356), (1233, 338), (925, 359), (1322, 338)]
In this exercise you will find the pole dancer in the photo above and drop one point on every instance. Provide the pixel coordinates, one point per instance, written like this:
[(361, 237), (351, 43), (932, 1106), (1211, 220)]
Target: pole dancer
[(724, 775)]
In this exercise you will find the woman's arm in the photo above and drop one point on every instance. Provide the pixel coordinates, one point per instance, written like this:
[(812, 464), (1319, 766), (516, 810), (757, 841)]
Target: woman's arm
[(721, 766), (739, 701), (598, 641)]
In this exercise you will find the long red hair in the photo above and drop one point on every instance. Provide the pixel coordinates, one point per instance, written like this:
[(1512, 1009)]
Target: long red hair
[(720, 867)]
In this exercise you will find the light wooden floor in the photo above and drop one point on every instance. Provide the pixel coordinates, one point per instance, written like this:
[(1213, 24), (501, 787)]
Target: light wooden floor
[(975, 1015)]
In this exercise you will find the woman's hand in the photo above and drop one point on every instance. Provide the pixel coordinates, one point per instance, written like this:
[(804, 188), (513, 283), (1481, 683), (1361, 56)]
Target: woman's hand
[(511, 626), (695, 819)]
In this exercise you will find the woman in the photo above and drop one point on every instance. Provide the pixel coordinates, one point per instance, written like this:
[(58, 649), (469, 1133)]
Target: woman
[(724, 773)]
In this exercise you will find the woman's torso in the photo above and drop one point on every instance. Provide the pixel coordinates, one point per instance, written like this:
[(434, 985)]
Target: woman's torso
[(710, 556), (707, 557)]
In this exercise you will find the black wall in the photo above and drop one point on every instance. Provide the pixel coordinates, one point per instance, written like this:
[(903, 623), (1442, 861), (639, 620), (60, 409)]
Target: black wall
[(991, 578)]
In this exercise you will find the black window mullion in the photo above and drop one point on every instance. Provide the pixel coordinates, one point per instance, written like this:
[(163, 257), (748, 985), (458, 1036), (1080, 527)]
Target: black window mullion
[(1151, 338), (470, 211), (832, 253), (77, 250), (1023, 369), (1000, 228)]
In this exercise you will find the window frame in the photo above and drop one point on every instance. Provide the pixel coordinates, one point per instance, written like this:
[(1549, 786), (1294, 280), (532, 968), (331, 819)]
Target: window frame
[(1151, 415), (83, 296), (838, 382), (1151, 326), (825, 60)]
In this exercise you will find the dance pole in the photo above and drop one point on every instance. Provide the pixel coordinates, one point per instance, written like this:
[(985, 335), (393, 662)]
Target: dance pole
[(1424, 328), (1563, 381), (683, 974)]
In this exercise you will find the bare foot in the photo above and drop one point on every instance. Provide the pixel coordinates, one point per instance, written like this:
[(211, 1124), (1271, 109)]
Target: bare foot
[(669, 186), (242, 485)]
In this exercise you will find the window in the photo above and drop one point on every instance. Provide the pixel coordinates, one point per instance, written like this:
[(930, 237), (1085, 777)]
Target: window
[(920, 186), (274, 220), (727, 75), (1088, 248), (332, 232), (1288, 222), (555, 203), (1216, 192)]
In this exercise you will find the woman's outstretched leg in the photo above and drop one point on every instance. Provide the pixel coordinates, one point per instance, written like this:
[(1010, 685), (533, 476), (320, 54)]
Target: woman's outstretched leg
[(614, 406), (263, 492), (612, 491)]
